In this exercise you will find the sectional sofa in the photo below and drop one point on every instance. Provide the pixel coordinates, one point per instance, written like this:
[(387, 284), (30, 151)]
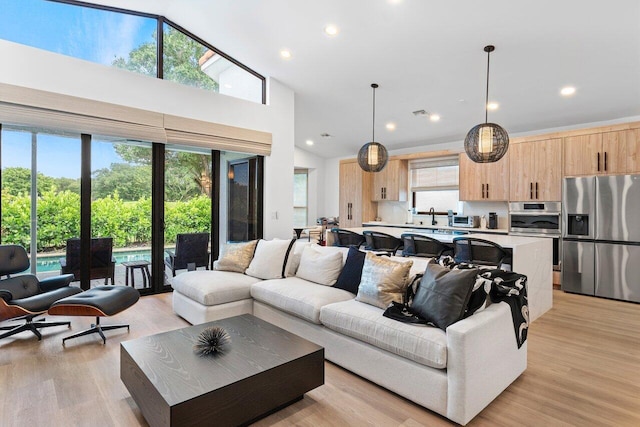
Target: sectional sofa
[(455, 373)]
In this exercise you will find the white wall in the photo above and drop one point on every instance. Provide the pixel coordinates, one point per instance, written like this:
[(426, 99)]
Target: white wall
[(39, 69)]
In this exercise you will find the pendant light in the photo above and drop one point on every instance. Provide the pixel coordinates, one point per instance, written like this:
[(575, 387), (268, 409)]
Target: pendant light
[(373, 156), (486, 142)]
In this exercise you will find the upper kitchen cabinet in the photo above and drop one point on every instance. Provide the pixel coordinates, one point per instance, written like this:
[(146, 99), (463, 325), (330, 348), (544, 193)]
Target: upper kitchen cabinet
[(356, 206), (484, 181), (390, 184), (536, 170), (607, 153)]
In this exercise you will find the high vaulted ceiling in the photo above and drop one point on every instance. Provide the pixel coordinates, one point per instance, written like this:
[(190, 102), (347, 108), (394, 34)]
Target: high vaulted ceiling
[(427, 55)]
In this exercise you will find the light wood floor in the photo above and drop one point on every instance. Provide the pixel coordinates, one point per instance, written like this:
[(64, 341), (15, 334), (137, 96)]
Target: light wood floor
[(584, 369)]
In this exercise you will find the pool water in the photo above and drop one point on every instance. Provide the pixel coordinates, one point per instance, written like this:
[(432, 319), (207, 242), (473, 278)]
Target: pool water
[(52, 263)]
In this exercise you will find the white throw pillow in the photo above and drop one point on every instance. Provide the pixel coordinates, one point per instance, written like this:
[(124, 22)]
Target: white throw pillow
[(293, 262), (320, 266), (269, 259)]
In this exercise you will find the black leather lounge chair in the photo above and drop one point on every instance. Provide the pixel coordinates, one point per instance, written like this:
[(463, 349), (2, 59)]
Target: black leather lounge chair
[(24, 296)]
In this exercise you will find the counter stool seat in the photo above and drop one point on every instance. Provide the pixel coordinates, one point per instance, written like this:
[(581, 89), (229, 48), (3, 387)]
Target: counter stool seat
[(100, 301)]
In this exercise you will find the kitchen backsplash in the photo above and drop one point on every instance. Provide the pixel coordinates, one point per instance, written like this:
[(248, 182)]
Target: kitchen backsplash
[(398, 212)]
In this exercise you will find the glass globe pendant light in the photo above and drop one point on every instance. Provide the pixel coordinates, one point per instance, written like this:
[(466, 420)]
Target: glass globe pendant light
[(486, 142), (373, 156)]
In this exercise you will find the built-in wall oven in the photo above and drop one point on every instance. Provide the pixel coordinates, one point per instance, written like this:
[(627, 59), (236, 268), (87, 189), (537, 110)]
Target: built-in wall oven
[(538, 219)]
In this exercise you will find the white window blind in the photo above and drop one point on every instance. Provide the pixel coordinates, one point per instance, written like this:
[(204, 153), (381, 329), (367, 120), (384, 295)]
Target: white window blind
[(31, 107), (434, 174)]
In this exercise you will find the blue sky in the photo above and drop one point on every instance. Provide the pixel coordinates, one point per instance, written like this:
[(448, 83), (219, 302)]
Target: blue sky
[(92, 34), (58, 156)]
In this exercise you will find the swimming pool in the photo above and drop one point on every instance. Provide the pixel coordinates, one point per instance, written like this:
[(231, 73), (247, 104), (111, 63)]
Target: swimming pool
[(52, 263)]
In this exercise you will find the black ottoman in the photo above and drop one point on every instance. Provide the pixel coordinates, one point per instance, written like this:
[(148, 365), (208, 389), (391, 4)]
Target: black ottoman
[(99, 301)]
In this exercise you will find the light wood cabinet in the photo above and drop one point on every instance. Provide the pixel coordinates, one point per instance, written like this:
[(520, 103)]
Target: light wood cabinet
[(356, 206), (484, 181), (390, 184), (536, 170), (607, 153)]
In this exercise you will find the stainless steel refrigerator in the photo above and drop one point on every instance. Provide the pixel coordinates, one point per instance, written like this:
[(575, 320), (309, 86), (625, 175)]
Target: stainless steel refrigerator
[(601, 236)]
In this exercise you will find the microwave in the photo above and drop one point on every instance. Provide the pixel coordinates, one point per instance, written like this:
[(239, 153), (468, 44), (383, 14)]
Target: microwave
[(466, 221)]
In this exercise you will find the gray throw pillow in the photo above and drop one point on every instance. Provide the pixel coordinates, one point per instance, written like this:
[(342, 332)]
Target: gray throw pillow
[(443, 294)]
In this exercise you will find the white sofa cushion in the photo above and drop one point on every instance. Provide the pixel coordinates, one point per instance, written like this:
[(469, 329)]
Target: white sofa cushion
[(320, 266), (297, 296), (426, 345), (214, 287), (269, 259)]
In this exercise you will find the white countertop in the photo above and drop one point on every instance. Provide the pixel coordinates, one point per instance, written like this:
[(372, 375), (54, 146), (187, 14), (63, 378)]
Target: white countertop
[(435, 227)]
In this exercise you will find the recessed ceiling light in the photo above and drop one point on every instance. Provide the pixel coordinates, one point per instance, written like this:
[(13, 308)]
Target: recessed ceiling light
[(331, 30), (434, 117), (390, 126), (286, 54), (567, 91), (309, 142), (493, 105)]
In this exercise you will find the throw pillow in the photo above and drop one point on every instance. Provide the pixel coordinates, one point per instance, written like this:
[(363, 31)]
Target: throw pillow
[(269, 259), (383, 280), (293, 262), (443, 295), (320, 266), (349, 278), (235, 256)]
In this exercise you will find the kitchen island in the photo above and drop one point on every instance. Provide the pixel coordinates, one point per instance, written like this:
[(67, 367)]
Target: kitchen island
[(531, 256)]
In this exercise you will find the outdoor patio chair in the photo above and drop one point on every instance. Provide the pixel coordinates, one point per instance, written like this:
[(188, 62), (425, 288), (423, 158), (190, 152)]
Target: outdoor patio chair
[(192, 251), (102, 265)]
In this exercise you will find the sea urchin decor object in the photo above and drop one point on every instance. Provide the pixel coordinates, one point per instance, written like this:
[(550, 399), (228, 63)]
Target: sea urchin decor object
[(212, 340)]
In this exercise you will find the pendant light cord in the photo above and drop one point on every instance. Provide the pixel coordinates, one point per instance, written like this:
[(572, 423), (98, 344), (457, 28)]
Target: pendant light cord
[(486, 99), (373, 124)]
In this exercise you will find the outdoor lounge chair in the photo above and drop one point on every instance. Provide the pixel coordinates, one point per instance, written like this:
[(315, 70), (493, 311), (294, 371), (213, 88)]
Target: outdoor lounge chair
[(102, 262), (192, 251)]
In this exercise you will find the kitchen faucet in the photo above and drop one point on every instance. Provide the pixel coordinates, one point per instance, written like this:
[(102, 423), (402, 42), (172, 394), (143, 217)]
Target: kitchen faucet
[(433, 216)]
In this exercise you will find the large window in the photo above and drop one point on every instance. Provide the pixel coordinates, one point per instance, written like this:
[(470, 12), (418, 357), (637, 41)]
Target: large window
[(128, 40)]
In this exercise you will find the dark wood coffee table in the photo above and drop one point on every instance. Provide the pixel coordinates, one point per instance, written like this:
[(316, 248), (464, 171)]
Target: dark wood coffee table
[(264, 369)]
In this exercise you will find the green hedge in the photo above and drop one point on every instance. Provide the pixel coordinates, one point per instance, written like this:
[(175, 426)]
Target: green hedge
[(129, 223)]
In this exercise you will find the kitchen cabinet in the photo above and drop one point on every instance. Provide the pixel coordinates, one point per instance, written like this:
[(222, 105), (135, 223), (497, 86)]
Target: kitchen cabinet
[(356, 206), (390, 184), (607, 153), (484, 181), (536, 171)]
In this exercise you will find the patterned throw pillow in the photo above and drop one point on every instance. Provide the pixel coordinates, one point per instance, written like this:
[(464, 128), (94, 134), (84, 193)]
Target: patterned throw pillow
[(383, 280), (235, 256), (270, 259)]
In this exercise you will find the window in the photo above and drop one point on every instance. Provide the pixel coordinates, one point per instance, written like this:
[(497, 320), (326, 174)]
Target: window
[(95, 35), (128, 40), (300, 198), (434, 184)]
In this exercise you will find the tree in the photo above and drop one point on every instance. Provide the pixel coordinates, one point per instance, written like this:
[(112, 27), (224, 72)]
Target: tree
[(187, 174), (130, 182), (180, 60), (18, 181)]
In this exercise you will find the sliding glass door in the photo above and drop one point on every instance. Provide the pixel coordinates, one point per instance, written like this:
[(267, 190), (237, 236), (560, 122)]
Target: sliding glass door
[(40, 195), (120, 212)]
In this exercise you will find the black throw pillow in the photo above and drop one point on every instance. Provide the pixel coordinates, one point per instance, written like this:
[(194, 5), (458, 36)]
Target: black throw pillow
[(443, 295), (349, 278)]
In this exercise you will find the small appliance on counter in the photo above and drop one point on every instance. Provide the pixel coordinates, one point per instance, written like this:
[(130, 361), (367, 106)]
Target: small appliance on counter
[(493, 221), (466, 221)]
